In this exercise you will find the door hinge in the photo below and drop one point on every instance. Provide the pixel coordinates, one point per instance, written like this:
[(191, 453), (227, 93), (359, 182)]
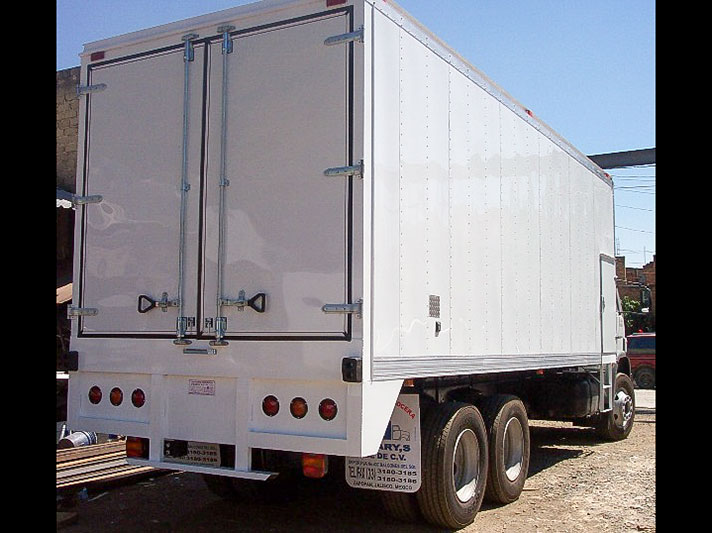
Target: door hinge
[(346, 37), (83, 200), (81, 311), (88, 89), (352, 170), (353, 308)]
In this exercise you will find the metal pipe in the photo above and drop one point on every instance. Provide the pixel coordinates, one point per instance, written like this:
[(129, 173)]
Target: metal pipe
[(223, 183), (184, 187)]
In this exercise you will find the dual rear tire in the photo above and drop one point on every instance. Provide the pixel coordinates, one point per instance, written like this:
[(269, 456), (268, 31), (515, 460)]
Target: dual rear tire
[(467, 455)]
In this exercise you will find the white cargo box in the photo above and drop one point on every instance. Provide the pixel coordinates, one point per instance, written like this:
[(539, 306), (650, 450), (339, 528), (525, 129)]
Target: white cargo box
[(322, 187)]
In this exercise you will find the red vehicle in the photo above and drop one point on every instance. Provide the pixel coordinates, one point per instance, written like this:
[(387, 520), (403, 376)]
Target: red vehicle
[(641, 353)]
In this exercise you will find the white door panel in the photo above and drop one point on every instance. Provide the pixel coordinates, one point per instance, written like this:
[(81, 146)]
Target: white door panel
[(130, 240), (284, 222)]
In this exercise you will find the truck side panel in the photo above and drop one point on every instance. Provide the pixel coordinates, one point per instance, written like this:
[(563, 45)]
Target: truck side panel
[(499, 220)]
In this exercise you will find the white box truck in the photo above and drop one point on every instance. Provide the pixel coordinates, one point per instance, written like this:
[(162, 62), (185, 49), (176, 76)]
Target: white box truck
[(309, 233)]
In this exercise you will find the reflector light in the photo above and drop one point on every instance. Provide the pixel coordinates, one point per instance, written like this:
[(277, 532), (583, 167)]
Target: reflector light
[(116, 396), (137, 447), (327, 409), (138, 398), (314, 465), (95, 394), (270, 405), (298, 407)]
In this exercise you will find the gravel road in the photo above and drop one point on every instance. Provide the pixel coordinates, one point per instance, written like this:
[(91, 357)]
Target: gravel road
[(577, 483)]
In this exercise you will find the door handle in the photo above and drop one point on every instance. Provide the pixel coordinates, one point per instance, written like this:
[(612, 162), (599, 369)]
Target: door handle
[(146, 303), (257, 302)]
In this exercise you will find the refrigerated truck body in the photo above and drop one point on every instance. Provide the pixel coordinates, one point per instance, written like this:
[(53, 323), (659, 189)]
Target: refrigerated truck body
[(298, 220)]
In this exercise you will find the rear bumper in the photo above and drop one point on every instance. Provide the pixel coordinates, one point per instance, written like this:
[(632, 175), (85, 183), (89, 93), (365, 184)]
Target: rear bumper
[(256, 475)]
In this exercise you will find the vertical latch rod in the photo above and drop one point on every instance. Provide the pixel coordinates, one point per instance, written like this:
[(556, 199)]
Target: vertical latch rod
[(221, 321), (181, 321)]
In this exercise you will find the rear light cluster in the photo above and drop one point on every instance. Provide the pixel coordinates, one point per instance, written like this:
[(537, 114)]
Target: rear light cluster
[(299, 408), (116, 396)]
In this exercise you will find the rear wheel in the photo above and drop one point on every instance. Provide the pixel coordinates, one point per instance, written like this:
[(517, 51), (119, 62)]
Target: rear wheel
[(509, 447), (454, 463), (645, 378), (618, 422)]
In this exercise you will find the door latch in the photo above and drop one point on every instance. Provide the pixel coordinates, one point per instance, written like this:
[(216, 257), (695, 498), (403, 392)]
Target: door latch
[(257, 302), (146, 303)]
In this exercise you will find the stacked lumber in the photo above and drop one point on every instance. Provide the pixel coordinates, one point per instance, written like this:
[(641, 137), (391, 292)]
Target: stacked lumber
[(95, 464)]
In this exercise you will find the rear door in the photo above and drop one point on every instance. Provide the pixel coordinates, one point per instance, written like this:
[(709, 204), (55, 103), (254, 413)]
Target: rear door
[(279, 115), (131, 241)]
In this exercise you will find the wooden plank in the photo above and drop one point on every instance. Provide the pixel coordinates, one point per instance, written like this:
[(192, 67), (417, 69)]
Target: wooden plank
[(95, 467), (90, 460), (129, 471), (90, 450)]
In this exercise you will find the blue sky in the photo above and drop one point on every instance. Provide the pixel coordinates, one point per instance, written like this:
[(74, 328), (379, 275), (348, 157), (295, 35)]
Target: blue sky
[(585, 68)]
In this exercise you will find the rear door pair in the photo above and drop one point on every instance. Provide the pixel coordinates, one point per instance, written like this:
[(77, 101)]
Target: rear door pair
[(216, 218)]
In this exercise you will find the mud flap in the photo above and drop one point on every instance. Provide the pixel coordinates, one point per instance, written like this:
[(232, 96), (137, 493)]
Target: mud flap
[(396, 466)]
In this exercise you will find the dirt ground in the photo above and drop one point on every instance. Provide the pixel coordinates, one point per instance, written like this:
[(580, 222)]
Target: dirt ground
[(576, 483)]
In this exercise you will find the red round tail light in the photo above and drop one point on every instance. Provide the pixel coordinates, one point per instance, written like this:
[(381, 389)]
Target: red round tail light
[(270, 405), (328, 409), (138, 398), (116, 396), (95, 394), (298, 407)]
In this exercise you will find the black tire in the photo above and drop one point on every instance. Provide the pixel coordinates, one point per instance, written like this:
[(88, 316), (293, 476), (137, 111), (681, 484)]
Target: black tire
[(454, 465), (618, 423), (509, 447), (402, 506), (645, 378)]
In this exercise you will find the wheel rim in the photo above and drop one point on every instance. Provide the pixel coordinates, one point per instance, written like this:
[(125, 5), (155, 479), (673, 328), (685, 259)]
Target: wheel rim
[(513, 448), (622, 409), (465, 465)]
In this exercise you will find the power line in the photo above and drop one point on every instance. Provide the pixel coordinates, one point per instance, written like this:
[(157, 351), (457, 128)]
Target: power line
[(638, 208), (636, 251), (639, 192), (633, 229)]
